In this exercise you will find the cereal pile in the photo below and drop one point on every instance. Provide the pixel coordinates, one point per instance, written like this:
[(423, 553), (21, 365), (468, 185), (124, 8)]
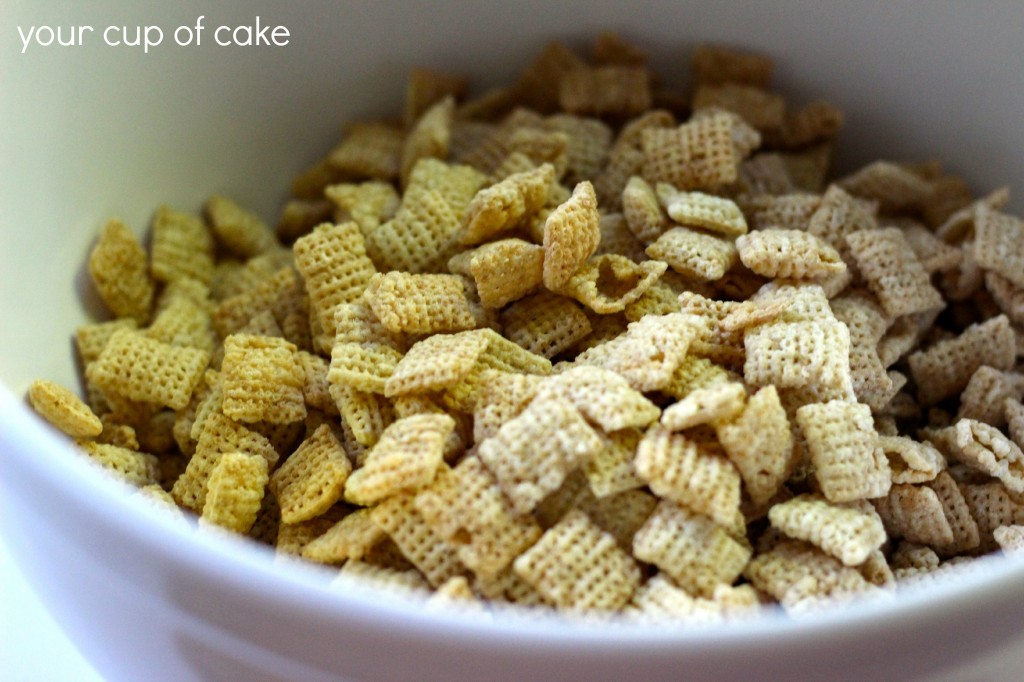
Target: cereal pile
[(582, 342)]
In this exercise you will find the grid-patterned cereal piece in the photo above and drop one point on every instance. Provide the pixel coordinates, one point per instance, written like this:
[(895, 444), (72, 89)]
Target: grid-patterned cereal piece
[(719, 403), (660, 598), (694, 254), (537, 85), (990, 506), (466, 507), (368, 204), (506, 204), (1014, 412), (183, 322), (704, 211), (428, 137), (577, 566), (395, 581), (813, 356), (715, 65), (368, 150), (587, 149), (642, 210), (606, 284), (366, 414), (698, 155), (895, 187), (457, 440), (959, 226), (986, 394), (313, 478), (335, 267), (621, 514), (658, 299), (420, 304), (986, 448), (262, 380), (272, 292), (63, 409), (867, 323), (136, 468), (847, 532), (786, 211), (745, 139), (242, 232), (91, 339), (571, 235), (119, 268), (935, 255), (404, 459), (680, 469), (714, 340), (181, 247), (545, 323), (421, 237), (695, 552), (530, 147), (350, 539), (234, 491), (1009, 298), (506, 270), (616, 238), (999, 244), (315, 388), (966, 536), (532, 454), (1010, 538), (502, 397), (845, 451), (437, 362), (765, 173), (837, 215), (945, 368), (893, 272), (790, 254), (761, 109), (604, 397), (357, 323), (649, 352), (121, 435), (456, 184), (695, 373), (362, 366), (299, 216), (759, 442), (424, 88), (138, 368), (435, 558), (911, 461), (814, 122), (606, 90), (507, 587), (793, 571), (611, 470), (809, 167)]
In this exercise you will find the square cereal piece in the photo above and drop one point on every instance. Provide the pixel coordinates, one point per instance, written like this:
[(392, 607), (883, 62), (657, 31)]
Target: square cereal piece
[(849, 532), (987, 449), (1008, 297), (532, 454), (504, 270), (684, 471), (577, 566), (335, 267), (506, 204), (366, 415), (617, 239), (435, 558), (571, 235), (502, 397), (618, 90), (935, 255), (421, 237), (895, 187), (241, 232), (587, 148), (986, 394), (608, 283), (718, 64), (313, 478), (428, 137), (813, 356), (368, 150), (368, 204), (789, 254), (715, 214), (793, 571), (990, 506), (357, 323), (611, 471), (694, 254), (694, 373), (466, 507), (760, 108), (785, 211), (945, 368), (545, 323), (424, 87), (362, 366), (420, 304), (759, 443), (278, 292), (63, 409), (838, 215), (815, 122), (604, 397), (350, 539), (893, 272), (135, 468), (182, 247), (262, 380), (714, 404), (845, 450), (697, 155), (134, 367), (437, 362), (299, 216), (999, 244), (90, 339), (404, 459), (119, 269), (698, 554), (183, 322), (234, 491), (621, 514), (867, 323)]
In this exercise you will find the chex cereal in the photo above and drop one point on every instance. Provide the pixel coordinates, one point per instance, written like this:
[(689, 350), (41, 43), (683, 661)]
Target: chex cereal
[(584, 342)]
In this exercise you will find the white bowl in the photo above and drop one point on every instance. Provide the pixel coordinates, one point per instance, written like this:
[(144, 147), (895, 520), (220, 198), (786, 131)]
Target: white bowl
[(91, 131)]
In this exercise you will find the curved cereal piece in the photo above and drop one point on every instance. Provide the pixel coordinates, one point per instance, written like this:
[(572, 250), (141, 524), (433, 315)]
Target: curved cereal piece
[(698, 554), (506, 204), (608, 283), (182, 247), (429, 137), (718, 403), (419, 304), (1010, 538), (985, 448), (63, 409), (313, 478), (571, 235), (235, 491), (504, 270), (405, 459), (986, 393), (912, 461), (643, 212), (790, 254), (694, 254), (119, 268), (847, 532), (704, 211), (240, 231), (577, 566)]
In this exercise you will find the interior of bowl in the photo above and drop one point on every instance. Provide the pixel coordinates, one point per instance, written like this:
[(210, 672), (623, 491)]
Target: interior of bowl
[(94, 131)]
